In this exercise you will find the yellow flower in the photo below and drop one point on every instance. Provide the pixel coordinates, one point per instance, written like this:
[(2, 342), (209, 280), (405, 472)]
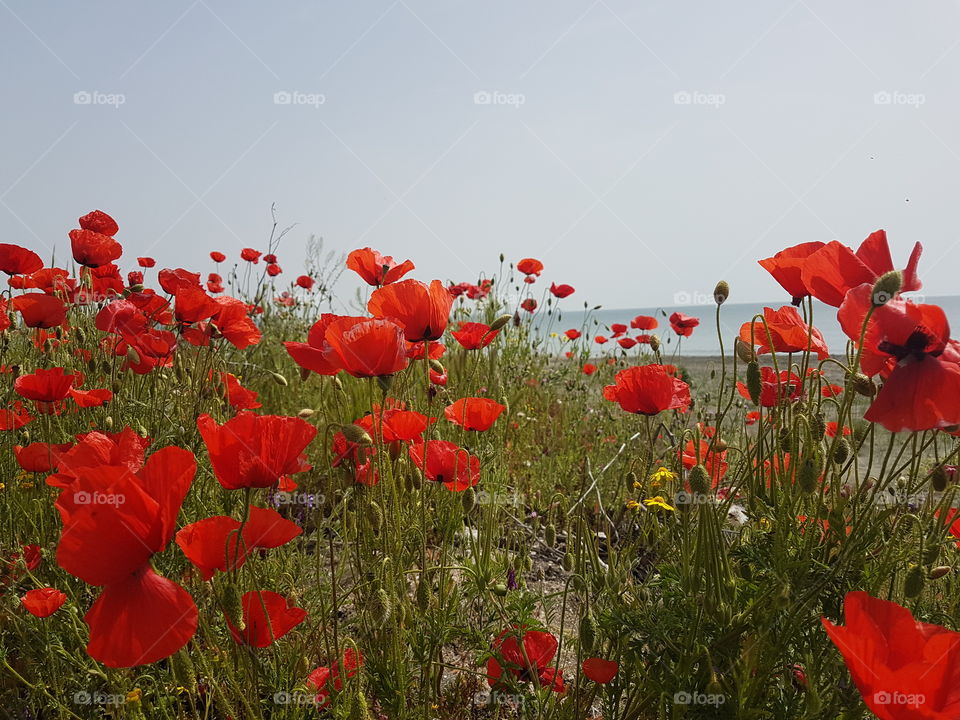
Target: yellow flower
[(134, 695), (662, 475), (2, 485), (634, 505), (659, 501), (765, 524), (26, 485)]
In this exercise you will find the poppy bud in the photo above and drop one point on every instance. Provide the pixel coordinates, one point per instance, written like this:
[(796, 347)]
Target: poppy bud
[(550, 535), (500, 590), (108, 421), (786, 441), (424, 591), (809, 475), (184, 672), (279, 379), (655, 343), (133, 357), (699, 479), (719, 444), (233, 605), (305, 413), (842, 451), (588, 633), (375, 516), (938, 478), (568, 562), (754, 382), (886, 288), (939, 572), (914, 582), (25, 434), (931, 554), (468, 500), (356, 434), (380, 606), (500, 323), (336, 383), (437, 366), (721, 292), (861, 384), (630, 479), (818, 426)]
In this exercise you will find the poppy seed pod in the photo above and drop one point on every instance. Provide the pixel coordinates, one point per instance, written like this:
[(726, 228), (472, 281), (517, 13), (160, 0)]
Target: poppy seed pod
[(886, 287), (721, 292), (550, 535), (842, 451), (754, 381), (568, 562), (468, 500), (500, 323), (914, 582), (655, 343), (862, 385), (380, 606), (809, 475)]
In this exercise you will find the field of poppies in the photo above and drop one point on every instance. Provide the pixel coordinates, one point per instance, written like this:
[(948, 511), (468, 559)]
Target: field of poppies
[(220, 499)]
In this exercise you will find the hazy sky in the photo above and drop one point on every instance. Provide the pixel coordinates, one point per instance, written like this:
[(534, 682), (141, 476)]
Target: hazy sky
[(640, 149)]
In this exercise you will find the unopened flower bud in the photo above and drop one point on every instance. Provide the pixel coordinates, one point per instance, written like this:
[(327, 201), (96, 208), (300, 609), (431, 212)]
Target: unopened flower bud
[(655, 343), (468, 500), (914, 582), (754, 381), (886, 288), (861, 384), (938, 478), (550, 535), (279, 379), (437, 366), (500, 322), (939, 572), (721, 292), (809, 476), (842, 451), (356, 434), (306, 413), (699, 479), (588, 633)]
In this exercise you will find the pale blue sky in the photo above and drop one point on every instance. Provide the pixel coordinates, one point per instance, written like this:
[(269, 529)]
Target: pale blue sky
[(587, 154)]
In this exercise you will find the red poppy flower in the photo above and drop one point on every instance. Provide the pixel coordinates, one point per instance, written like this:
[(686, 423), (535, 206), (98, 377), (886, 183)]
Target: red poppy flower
[(474, 335), (250, 255), (40, 310), (561, 291), (99, 222), (205, 543), (327, 678), (95, 449), (273, 270), (217, 257), (113, 523), (255, 451), (270, 258), (377, 269), (437, 378), (530, 266), (774, 390), (95, 397), (214, 283), (751, 417), (787, 268), (146, 262), (683, 325), (626, 342), (648, 390), (239, 397), (316, 354), (643, 339), (304, 281), (364, 347), (833, 427), (529, 304), (600, 670), (14, 417), (831, 390), (193, 305), (16, 260), (422, 310), (714, 461), (39, 456), (644, 322), (787, 332), (43, 602), (447, 463), (572, 333), (531, 663), (235, 324), (134, 277), (589, 368), (267, 617), (93, 249), (600, 340), (175, 280), (45, 387), (474, 413), (903, 668)]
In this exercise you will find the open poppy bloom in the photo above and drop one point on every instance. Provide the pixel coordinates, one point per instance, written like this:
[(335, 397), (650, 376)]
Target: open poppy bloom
[(909, 345), (304, 281), (234, 322), (529, 663), (267, 617), (903, 668), (561, 291), (474, 335), (39, 456), (43, 602), (530, 267), (422, 310), (572, 333), (644, 322), (256, 450), (775, 390), (618, 329), (474, 413), (40, 310), (99, 222), (250, 255), (626, 342), (93, 249), (600, 340), (600, 670), (94, 449), (205, 543), (217, 256), (787, 268), (683, 325), (589, 368), (784, 331), (377, 269), (16, 260), (239, 397), (714, 461), (447, 463), (327, 678), (648, 390), (114, 521), (364, 347), (529, 304), (47, 388)]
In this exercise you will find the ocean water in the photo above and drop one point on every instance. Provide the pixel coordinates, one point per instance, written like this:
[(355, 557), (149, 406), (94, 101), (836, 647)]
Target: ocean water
[(704, 341)]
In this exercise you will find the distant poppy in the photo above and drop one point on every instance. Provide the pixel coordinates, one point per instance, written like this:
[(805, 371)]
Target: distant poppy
[(589, 368), (422, 310), (600, 670), (43, 602), (270, 258), (273, 270), (134, 277), (626, 342), (561, 291), (531, 663), (831, 390), (364, 347), (644, 322), (787, 332), (774, 389), (146, 262), (217, 257), (447, 463), (600, 340), (46, 388), (304, 281), (714, 461), (214, 283), (683, 325), (99, 222), (474, 335), (530, 267), (239, 397), (377, 269), (14, 417), (255, 451), (250, 255), (572, 333), (474, 413), (267, 617), (833, 427), (16, 260), (326, 679), (40, 310), (529, 304), (648, 390)]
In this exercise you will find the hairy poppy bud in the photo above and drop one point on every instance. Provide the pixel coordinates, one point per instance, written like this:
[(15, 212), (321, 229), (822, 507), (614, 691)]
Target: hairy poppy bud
[(305, 413), (655, 343), (279, 379), (500, 323), (786, 440), (437, 366), (133, 357), (938, 478), (233, 605), (699, 479), (375, 516), (721, 292), (424, 591), (468, 500), (886, 288), (914, 582), (184, 672), (568, 562), (862, 385), (500, 590), (356, 434), (939, 572), (809, 476), (842, 451), (818, 426), (744, 351), (108, 421), (380, 606), (588, 633), (337, 383), (754, 382), (550, 535)]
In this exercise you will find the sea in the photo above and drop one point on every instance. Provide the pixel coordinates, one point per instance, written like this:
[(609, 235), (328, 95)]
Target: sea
[(703, 342)]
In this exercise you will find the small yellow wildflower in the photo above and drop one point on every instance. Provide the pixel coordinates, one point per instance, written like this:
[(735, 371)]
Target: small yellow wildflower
[(633, 505), (659, 501), (135, 695), (26, 485), (660, 476)]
